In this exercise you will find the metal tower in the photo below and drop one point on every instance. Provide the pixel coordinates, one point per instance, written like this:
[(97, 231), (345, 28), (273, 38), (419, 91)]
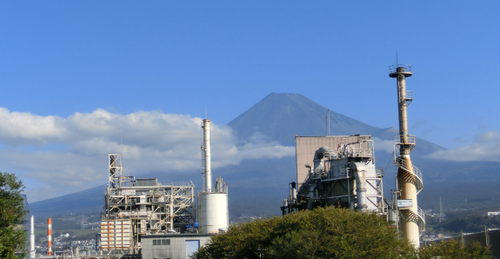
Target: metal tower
[(409, 178)]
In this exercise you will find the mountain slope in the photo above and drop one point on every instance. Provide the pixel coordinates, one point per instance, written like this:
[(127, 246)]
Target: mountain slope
[(86, 201), (280, 117)]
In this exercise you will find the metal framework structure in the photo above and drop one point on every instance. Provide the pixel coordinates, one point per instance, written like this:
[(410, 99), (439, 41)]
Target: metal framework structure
[(150, 207), (345, 177)]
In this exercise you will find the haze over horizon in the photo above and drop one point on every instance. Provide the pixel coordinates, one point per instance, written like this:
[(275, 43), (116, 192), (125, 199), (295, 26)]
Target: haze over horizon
[(80, 78)]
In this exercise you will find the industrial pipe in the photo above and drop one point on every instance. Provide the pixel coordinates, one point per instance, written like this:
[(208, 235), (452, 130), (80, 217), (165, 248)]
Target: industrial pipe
[(359, 172), (312, 187), (318, 158)]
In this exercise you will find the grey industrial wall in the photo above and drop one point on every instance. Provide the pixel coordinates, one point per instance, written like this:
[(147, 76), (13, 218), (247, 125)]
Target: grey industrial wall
[(176, 249)]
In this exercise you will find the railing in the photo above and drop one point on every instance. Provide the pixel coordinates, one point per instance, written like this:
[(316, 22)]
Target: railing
[(409, 95), (400, 163), (418, 174), (394, 68), (363, 149), (421, 222), (400, 139)]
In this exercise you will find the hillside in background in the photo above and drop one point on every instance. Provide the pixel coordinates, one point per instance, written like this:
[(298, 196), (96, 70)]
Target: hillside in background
[(258, 187), (86, 201), (280, 117)]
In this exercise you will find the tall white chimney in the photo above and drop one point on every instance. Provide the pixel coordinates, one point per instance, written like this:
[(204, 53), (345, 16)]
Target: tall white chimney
[(32, 237), (207, 158)]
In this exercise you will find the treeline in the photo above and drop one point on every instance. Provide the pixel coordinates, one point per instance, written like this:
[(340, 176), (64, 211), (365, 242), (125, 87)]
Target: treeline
[(461, 221), (326, 233)]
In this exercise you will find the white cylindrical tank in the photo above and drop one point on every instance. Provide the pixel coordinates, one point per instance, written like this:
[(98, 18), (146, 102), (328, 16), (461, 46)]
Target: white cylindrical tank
[(213, 212)]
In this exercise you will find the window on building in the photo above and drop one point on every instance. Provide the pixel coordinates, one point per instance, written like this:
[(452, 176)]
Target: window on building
[(161, 242), (191, 247)]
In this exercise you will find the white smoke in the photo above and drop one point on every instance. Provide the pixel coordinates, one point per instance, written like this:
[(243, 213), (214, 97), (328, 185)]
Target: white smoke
[(56, 156)]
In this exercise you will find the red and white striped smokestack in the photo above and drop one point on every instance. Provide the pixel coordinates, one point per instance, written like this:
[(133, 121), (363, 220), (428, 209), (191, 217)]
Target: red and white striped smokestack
[(49, 236)]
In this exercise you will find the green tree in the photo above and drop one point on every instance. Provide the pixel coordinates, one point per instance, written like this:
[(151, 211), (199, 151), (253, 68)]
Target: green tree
[(320, 233), (453, 249), (12, 237)]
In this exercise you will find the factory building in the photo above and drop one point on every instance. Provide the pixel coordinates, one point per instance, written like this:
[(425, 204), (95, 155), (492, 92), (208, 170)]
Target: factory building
[(143, 216), (136, 207), (342, 174), (172, 246)]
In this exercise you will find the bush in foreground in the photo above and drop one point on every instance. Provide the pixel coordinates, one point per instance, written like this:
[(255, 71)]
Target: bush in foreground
[(320, 233), (327, 233), (453, 249)]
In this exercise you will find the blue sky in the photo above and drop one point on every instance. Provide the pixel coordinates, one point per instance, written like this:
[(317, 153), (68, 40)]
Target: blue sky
[(160, 59)]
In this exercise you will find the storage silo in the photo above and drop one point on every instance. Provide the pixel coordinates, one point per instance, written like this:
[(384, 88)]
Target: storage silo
[(212, 204)]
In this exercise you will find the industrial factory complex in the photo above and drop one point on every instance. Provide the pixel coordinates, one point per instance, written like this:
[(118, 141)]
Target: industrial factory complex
[(143, 218), (343, 173)]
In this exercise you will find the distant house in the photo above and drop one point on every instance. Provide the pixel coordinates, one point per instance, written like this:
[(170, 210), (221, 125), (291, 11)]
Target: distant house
[(493, 214)]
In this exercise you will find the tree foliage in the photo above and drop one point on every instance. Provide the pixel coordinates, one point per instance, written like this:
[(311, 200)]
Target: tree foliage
[(453, 249), (320, 233), (12, 237)]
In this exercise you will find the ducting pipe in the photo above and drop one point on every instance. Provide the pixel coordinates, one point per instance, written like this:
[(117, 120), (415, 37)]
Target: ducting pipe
[(293, 191), (312, 187), (359, 172), (318, 158)]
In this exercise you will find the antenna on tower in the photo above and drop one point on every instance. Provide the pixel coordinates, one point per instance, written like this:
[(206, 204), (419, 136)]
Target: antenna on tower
[(328, 122), (121, 141), (397, 62)]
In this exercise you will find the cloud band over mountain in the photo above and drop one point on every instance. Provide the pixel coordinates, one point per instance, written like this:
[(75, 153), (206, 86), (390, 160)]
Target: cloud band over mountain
[(55, 155)]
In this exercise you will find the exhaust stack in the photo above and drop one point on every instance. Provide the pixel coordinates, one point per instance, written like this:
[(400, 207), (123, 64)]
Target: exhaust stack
[(207, 172), (32, 237), (49, 236), (213, 216), (409, 179)]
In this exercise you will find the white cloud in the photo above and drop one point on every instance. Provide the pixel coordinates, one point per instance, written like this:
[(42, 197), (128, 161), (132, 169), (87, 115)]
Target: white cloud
[(383, 145), (56, 156), (486, 147)]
